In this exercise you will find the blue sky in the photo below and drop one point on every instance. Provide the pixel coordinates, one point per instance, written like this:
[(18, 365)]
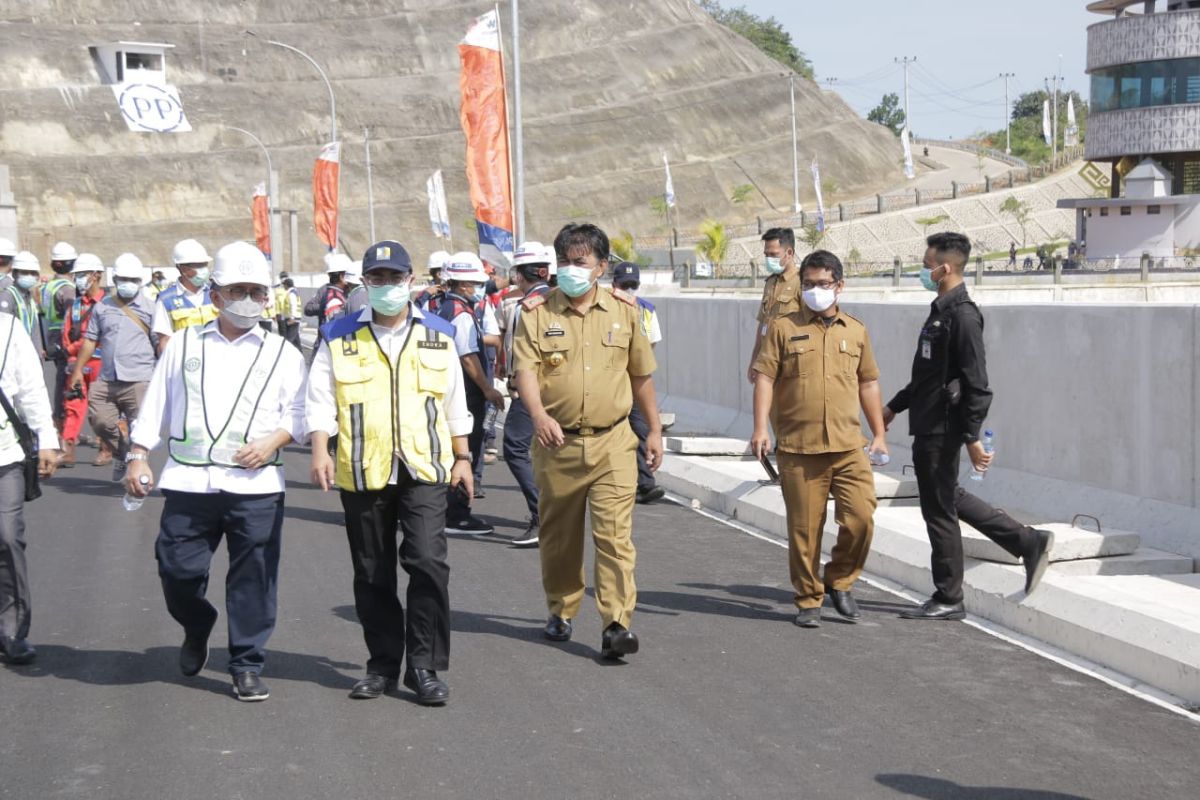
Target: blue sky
[(961, 46)]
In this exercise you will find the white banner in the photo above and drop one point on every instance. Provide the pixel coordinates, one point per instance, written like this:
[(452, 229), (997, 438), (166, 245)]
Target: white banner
[(1046, 121), (670, 187), (151, 108), (439, 219), (816, 173), (1071, 134), (909, 172)]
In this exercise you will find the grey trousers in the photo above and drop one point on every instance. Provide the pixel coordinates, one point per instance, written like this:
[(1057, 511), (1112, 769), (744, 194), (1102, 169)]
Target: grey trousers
[(107, 401), (14, 574)]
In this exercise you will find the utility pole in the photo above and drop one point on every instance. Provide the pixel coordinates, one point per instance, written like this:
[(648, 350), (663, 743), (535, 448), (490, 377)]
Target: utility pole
[(906, 61), (795, 153), (370, 194), (518, 137), (1007, 113), (1053, 92)]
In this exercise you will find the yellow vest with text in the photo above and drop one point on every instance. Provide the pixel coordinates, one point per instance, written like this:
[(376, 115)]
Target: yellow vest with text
[(182, 311), (386, 410)]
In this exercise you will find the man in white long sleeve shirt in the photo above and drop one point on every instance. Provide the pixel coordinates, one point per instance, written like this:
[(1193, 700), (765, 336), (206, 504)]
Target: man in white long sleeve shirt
[(230, 395), (24, 387), (388, 382)]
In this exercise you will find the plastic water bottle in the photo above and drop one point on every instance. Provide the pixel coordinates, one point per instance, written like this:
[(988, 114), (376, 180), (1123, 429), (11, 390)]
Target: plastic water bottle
[(133, 502), (877, 459), (988, 442)]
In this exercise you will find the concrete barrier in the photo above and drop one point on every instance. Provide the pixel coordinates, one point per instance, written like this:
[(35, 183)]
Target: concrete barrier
[(1095, 406)]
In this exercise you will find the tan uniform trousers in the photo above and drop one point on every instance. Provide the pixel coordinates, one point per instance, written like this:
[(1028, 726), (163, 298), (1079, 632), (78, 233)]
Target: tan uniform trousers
[(807, 481), (107, 401), (597, 473)]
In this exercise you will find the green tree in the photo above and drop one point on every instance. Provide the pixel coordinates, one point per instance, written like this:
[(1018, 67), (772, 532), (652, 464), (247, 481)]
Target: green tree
[(812, 237), (622, 246), (888, 113), (658, 204), (714, 242), (767, 35), (927, 222), (1020, 212), (741, 193)]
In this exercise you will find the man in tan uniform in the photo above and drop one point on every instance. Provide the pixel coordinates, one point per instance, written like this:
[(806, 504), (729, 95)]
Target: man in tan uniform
[(582, 359), (814, 371), (781, 291)]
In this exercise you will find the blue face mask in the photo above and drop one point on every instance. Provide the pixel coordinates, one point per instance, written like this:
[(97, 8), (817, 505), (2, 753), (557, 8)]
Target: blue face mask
[(773, 266), (574, 281), (927, 279), (26, 281), (388, 300), (128, 289)]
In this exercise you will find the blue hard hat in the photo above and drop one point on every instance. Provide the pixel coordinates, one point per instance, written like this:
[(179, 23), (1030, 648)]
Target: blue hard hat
[(388, 254)]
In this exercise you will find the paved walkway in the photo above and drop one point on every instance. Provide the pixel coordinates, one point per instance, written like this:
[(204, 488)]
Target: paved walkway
[(726, 700)]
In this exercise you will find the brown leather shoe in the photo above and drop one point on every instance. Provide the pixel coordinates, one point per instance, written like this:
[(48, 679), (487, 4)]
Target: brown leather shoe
[(104, 459), (66, 459)]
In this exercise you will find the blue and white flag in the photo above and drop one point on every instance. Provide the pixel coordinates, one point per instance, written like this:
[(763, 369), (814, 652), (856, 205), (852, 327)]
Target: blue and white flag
[(669, 191), (1046, 121), (439, 219), (816, 173), (909, 172)]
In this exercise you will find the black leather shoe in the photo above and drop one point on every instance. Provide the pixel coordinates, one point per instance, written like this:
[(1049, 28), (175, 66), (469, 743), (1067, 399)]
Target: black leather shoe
[(843, 603), (808, 618), (193, 654), (651, 494), (17, 651), (431, 690), (248, 688), (558, 629), (1037, 557), (372, 686), (618, 642), (931, 609)]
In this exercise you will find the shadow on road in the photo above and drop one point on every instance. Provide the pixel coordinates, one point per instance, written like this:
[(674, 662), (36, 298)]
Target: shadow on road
[(161, 665), (73, 484), (942, 789), (722, 606)]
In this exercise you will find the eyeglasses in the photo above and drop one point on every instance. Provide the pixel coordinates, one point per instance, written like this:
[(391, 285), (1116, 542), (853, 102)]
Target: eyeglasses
[(377, 280), (806, 285), (258, 293), (628, 287)]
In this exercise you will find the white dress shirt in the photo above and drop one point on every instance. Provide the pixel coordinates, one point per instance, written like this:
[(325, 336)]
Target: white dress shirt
[(25, 387), (229, 362), (320, 408), (491, 326)]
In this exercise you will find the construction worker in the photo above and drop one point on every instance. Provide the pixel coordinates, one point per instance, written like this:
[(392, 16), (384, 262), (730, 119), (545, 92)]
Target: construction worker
[(88, 274), (464, 280), (17, 299), (24, 390), (329, 302), (387, 381), (356, 296), (187, 301), (534, 263), (430, 298), (157, 283), (288, 310), (229, 484), (8, 251), (119, 328), (57, 296), (582, 360)]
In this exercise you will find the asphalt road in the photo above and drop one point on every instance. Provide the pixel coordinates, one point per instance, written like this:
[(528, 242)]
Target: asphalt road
[(726, 700)]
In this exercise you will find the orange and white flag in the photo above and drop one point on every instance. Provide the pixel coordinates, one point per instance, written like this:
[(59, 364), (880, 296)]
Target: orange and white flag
[(325, 194), (262, 220)]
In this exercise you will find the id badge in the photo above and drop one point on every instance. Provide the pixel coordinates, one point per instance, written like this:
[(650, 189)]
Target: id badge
[(926, 349)]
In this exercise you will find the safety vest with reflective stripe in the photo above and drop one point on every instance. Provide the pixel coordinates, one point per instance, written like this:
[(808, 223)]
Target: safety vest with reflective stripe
[(26, 308), (182, 311), (386, 410), (201, 447), (54, 320)]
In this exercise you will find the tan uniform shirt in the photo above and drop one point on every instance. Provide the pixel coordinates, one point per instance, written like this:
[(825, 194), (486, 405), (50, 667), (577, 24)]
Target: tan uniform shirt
[(781, 295), (583, 362), (817, 370)]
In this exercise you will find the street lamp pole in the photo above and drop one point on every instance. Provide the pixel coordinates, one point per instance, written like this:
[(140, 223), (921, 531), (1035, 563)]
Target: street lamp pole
[(1007, 113), (324, 77), (276, 232), (795, 152)]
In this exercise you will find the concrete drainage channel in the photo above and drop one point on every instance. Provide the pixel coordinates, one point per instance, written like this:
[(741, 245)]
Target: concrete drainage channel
[(1108, 607)]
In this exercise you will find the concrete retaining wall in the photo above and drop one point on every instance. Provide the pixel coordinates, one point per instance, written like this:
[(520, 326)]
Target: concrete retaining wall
[(1095, 407)]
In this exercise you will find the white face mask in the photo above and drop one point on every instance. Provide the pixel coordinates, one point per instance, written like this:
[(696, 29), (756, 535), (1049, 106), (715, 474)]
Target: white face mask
[(127, 290), (819, 299), (242, 314), (83, 282)]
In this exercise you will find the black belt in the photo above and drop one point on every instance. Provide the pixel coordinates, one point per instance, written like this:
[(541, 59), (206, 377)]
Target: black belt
[(593, 431)]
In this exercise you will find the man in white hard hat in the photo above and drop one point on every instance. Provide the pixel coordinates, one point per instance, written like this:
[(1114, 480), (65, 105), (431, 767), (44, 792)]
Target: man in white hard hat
[(24, 390), (120, 330), (430, 298), (465, 277), (57, 296), (186, 302), (231, 396), (88, 275), (356, 295), (533, 263), (17, 299), (329, 302), (8, 251)]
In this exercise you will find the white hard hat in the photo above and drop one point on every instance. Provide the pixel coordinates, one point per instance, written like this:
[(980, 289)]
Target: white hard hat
[(438, 259), (63, 252), (7, 248), (241, 262), (189, 251), (337, 262), (533, 253), (354, 272), (27, 261), (465, 267), (87, 262), (128, 266)]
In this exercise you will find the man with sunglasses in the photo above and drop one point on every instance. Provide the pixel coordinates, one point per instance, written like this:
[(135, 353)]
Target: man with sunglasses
[(628, 278), (231, 396)]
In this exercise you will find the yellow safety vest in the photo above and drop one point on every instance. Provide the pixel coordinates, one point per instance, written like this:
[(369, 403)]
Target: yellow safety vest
[(387, 410), (181, 310), (200, 447)]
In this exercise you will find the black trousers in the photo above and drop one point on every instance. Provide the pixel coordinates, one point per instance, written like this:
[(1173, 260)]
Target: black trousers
[(518, 436), (191, 528), (944, 503), (642, 428), (419, 509), (458, 504)]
